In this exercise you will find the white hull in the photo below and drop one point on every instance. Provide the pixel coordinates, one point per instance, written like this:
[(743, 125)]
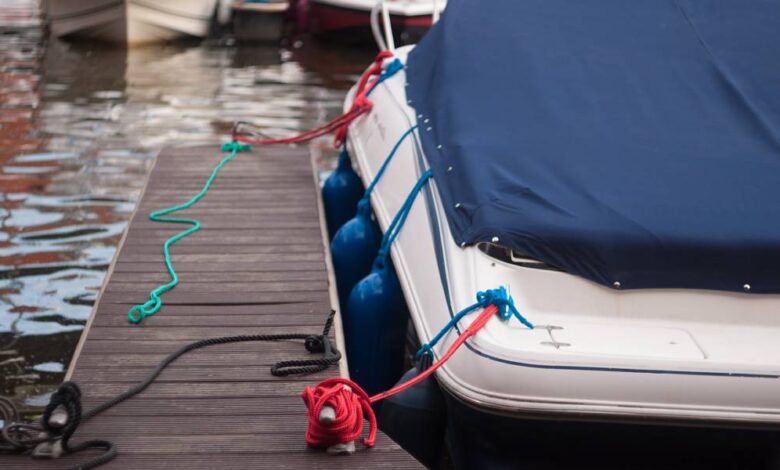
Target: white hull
[(697, 357), (130, 21)]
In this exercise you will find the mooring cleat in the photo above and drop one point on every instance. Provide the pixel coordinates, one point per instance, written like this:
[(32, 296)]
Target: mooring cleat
[(58, 419), (48, 450), (344, 448), (328, 416)]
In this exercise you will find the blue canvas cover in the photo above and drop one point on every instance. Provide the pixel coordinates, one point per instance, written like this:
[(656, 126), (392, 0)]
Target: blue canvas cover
[(630, 142)]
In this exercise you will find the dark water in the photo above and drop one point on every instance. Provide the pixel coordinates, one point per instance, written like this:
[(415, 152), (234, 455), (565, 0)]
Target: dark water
[(79, 127)]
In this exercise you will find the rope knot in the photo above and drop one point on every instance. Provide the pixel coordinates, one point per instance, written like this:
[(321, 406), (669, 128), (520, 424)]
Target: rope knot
[(337, 407), (362, 103), (235, 146), (382, 56), (503, 302), (391, 69), (314, 344)]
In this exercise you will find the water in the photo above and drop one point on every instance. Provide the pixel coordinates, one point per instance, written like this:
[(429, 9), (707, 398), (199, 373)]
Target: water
[(80, 125)]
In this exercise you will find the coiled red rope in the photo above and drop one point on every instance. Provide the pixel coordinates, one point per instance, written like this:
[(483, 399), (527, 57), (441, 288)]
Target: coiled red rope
[(351, 404), (360, 105)]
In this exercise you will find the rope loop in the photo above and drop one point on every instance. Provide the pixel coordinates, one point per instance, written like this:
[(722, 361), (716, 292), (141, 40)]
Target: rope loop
[(349, 403), (138, 313)]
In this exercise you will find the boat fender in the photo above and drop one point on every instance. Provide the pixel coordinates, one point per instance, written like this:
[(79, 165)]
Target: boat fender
[(340, 194), (355, 244), (376, 314), (416, 418), (353, 250), (375, 328)]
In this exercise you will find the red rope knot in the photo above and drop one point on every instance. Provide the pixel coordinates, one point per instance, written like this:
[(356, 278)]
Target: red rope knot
[(361, 103), (337, 407)]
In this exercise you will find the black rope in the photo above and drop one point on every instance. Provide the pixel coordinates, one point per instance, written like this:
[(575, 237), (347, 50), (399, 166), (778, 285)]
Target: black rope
[(65, 403)]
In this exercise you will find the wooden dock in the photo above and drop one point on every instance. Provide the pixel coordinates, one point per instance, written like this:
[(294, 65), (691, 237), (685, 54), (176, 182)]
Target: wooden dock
[(259, 266)]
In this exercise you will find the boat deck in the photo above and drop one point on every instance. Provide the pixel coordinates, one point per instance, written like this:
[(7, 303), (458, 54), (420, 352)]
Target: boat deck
[(259, 266)]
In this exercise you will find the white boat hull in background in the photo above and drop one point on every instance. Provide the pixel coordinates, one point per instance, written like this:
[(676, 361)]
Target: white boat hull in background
[(130, 21)]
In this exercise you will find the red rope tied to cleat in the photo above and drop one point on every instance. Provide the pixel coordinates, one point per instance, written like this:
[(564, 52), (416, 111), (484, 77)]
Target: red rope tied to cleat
[(351, 403), (360, 105)]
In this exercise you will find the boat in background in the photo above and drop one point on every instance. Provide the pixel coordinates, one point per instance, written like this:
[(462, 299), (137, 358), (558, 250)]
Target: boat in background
[(409, 18), (130, 21)]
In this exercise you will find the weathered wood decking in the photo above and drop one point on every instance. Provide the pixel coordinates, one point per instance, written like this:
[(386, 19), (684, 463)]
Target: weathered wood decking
[(258, 266)]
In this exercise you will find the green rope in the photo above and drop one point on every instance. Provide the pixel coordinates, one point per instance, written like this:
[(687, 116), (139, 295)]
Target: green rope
[(138, 312)]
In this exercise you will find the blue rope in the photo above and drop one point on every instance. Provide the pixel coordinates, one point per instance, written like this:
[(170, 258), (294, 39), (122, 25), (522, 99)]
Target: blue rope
[(498, 297), (389, 157), (400, 218)]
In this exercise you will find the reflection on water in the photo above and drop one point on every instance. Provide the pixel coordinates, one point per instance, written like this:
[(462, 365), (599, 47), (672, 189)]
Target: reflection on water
[(79, 127)]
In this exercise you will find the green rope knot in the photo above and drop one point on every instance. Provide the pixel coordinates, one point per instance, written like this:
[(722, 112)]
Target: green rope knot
[(138, 312), (235, 146)]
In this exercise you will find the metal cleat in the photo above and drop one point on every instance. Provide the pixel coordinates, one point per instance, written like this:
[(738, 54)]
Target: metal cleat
[(48, 450), (328, 416)]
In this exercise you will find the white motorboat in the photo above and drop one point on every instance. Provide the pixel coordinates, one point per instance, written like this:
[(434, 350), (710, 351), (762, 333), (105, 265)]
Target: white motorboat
[(130, 21), (673, 320)]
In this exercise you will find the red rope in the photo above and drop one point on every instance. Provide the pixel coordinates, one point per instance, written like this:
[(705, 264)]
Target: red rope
[(360, 105), (351, 403)]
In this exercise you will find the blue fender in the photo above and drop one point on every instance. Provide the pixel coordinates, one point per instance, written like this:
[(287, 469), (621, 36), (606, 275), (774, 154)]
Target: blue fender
[(417, 419), (375, 328), (340, 194), (353, 250)]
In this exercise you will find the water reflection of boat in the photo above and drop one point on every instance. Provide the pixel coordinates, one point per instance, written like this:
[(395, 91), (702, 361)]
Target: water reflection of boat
[(410, 18), (130, 21)]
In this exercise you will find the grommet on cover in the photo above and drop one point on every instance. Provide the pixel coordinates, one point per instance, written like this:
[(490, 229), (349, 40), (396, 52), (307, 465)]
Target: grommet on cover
[(616, 284), (746, 287)]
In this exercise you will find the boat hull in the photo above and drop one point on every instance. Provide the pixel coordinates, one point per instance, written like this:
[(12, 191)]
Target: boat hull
[(130, 21), (683, 357)]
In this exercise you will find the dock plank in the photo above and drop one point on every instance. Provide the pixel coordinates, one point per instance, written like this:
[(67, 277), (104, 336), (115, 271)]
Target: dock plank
[(259, 266)]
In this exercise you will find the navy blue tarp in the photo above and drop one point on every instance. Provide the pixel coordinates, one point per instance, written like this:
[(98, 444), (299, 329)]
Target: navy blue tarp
[(631, 142)]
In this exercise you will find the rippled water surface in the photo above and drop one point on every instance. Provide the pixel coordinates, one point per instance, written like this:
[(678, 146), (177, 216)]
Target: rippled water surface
[(79, 127)]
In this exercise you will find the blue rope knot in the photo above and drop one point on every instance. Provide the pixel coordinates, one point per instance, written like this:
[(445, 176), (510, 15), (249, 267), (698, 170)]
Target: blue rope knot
[(391, 69), (235, 146), (504, 302), (498, 297)]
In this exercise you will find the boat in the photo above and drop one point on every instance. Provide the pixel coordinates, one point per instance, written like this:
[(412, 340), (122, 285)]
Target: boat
[(130, 21), (618, 175), (409, 18), (259, 20)]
